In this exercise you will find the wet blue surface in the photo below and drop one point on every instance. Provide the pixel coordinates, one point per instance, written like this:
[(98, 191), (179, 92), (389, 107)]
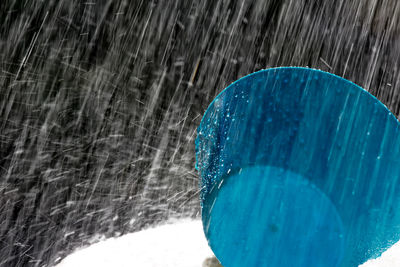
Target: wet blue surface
[(299, 167)]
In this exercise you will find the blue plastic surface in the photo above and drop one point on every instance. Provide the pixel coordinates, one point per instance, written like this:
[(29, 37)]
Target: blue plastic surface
[(298, 167)]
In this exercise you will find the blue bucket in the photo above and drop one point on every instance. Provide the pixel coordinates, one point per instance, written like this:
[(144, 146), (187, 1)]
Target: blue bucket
[(298, 167)]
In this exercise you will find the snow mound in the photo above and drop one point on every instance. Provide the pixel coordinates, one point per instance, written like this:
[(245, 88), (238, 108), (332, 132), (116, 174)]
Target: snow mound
[(390, 258), (171, 245), (178, 244)]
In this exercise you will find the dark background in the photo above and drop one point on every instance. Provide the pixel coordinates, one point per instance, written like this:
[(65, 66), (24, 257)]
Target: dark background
[(100, 100)]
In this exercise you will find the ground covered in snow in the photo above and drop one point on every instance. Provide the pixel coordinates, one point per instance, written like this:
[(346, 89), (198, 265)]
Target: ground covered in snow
[(175, 244), (170, 245)]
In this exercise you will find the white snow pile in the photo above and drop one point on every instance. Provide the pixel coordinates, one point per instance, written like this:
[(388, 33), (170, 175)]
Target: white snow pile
[(178, 244), (390, 258)]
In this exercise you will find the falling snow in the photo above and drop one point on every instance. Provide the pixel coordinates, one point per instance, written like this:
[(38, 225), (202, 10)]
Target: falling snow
[(100, 101)]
